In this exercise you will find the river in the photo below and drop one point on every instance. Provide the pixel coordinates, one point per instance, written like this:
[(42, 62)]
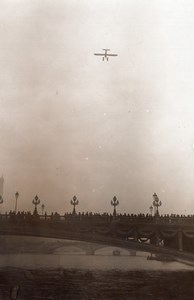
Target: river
[(92, 277), (89, 262)]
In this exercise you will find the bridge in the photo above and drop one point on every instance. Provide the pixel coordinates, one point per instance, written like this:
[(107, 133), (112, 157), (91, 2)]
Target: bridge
[(168, 235)]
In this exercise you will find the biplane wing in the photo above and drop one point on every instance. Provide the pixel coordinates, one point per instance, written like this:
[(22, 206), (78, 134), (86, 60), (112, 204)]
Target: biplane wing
[(111, 54)]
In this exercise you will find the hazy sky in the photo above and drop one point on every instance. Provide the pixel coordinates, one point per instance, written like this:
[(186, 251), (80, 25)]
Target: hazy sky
[(72, 124)]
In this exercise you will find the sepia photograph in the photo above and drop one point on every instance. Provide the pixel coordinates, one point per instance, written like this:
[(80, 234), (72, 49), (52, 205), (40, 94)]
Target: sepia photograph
[(97, 149)]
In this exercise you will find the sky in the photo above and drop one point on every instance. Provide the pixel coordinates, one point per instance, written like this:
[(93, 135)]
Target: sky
[(71, 124)]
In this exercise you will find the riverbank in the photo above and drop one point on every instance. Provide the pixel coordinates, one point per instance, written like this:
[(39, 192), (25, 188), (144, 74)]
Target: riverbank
[(75, 284)]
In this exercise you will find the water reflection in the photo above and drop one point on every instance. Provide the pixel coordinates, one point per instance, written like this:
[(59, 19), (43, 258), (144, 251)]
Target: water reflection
[(90, 262), (73, 275)]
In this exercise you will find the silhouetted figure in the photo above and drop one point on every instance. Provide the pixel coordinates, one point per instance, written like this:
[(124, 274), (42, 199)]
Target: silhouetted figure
[(14, 293)]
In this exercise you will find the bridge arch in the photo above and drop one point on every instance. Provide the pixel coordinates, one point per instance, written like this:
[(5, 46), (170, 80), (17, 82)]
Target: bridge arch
[(110, 237), (81, 248), (104, 242), (69, 250), (108, 250)]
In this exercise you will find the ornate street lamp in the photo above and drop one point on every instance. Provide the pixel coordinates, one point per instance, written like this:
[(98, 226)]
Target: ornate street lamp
[(36, 201), (43, 207), (16, 201), (156, 203), (114, 202), (74, 202), (151, 210)]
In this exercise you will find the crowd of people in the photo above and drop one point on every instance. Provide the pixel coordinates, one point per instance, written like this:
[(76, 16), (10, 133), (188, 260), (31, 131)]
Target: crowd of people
[(90, 216)]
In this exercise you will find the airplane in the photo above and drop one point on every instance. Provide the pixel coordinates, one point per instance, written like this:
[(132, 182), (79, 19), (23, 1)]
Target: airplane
[(105, 54)]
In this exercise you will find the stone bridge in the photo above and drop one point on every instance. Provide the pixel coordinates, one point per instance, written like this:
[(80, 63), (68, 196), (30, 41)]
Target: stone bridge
[(167, 235)]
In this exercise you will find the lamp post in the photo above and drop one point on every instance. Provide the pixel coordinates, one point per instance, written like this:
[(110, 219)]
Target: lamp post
[(114, 202), (156, 204), (36, 201), (16, 201), (74, 202), (151, 210), (43, 207)]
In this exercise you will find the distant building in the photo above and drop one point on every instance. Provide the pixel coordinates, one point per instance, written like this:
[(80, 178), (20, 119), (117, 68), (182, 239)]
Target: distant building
[(1, 185)]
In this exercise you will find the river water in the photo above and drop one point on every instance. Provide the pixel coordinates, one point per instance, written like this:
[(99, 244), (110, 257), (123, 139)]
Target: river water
[(82, 277), (88, 262)]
